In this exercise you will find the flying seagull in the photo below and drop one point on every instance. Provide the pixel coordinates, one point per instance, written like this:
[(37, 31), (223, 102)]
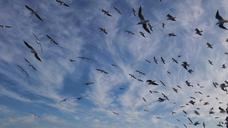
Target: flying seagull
[(151, 82), (143, 21), (142, 34), (170, 17), (163, 61), (199, 32), (209, 45), (102, 71), (61, 2), (34, 12), (29, 63), (221, 20), (134, 12), (129, 32), (33, 51), (52, 40), (106, 12), (23, 70), (5, 26), (155, 60), (174, 60), (117, 10), (103, 30), (172, 34)]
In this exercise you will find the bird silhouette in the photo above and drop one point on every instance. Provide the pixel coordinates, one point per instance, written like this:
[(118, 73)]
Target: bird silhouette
[(170, 17), (33, 51), (143, 21), (106, 12), (33, 12), (61, 2), (221, 20)]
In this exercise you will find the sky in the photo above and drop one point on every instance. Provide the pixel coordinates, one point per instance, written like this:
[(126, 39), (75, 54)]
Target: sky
[(56, 95)]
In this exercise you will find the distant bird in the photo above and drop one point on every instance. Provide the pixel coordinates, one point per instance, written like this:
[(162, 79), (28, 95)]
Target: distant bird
[(147, 61), (188, 83), (134, 12), (132, 76), (170, 17), (155, 60), (29, 63), (115, 113), (83, 58), (61, 2), (223, 66), (221, 20), (33, 51), (151, 82), (144, 99), (175, 90), (163, 25), (185, 65), (140, 72), (196, 112), (209, 45), (199, 32), (196, 123), (103, 30), (23, 70), (174, 60), (129, 32), (143, 21), (102, 71), (163, 61), (172, 34), (210, 62), (142, 34), (117, 10), (140, 80), (161, 99), (190, 71), (89, 83), (5, 26), (33, 12), (52, 40), (162, 83), (106, 12), (166, 97)]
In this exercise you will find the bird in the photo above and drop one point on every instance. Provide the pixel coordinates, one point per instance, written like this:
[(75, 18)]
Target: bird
[(144, 99), (61, 2), (134, 12), (106, 12), (29, 63), (175, 90), (162, 83), (185, 65), (23, 70), (172, 34), (143, 21), (170, 17), (33, 51), (147, 61), (51, 39), (188, 83), (155, 60), (221, 20), (151, 82), (102, 71), (89, 83), (223, 66), (132, 76), (163, 25), (140, 72), (174, 60), (117, 10), (5, 26), (166, 97), (142, 34), (163, 61), (199, 32), (103, 30), (33, 12), (209, 45), (129, 32), (210, 62)]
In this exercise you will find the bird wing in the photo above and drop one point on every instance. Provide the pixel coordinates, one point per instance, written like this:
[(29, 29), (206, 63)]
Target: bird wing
[(29, 46), (217, 16), (38, 16), (37, 56), (222, 26), (140, 15), (29, 8)]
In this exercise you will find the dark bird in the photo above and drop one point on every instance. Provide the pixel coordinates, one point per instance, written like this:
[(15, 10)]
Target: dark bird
[(188, 83), (102, 71), (174, 60), (140, 80), (23, 70), (151, 82), (172, 34), (192, 102), (204, 125), (224, 66), (221, 20), (89, 83), (163, 25), (184, 112), (143, 21), (140, 72), (144, 99), (83, 58), (103, 30), (147, 61), (161, 99), (190, 120), (223, 86), (33, 51), (170, 17), (132, 76), (166, 97), (163, 61), (199, 32), (196, 112), (134, 12), (175, 90), (106, 12), (52, 40), (130, 32), (155, 60), (196, 123), (210, 62), (142, 34), (117, 10), (185, 65), (190, 71), (61, 2), (162, 83), (5, 26), (29, 63), (209, 45), (115, 113), (221, 110), (34, 12)]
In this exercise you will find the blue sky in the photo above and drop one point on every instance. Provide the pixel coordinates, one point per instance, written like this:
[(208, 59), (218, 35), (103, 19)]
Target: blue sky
[(37, 100)]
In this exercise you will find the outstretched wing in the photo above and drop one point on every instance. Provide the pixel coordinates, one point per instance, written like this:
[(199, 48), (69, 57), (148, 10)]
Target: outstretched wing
[(217, 16), (146, 28), (140, 15)]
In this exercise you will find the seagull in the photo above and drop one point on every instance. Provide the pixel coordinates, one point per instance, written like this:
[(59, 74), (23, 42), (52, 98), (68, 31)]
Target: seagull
[(224, 66), (170, 17), (29, 63), (174, 60), (185, 65), (143, 21), (103, 30), (210, 62), (147, 61), (142, 34), (134, 12), (102, 71), (33, 51), (23, 70), (5, 26), (155, 60), (132, 76), (151, 82), (129, 32), (34, 12), (209, 45), (61, 2), (162, 83), (142, 73), (221, 20), (172, 34), (199, 32), (52, 40), (188, 83), (163, 61), (106, 12), (117, 10)]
